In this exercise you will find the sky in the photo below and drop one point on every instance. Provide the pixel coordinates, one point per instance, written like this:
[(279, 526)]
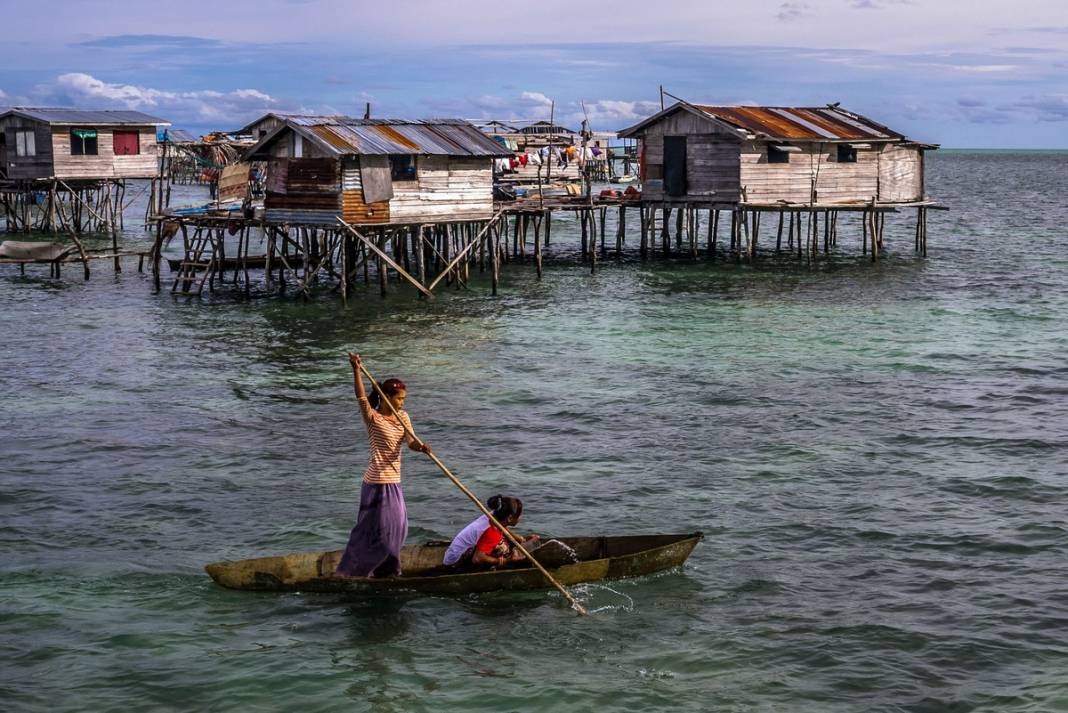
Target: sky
[(962, 73)]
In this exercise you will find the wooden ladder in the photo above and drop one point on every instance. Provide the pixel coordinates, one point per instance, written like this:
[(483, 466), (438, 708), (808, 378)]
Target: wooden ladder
[(194, 262)]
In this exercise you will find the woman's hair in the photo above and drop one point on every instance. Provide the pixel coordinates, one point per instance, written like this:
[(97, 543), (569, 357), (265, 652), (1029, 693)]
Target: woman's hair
[(390, 387), (505, 507)]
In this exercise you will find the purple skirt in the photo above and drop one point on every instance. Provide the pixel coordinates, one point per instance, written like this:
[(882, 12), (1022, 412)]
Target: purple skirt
[(381, 527)]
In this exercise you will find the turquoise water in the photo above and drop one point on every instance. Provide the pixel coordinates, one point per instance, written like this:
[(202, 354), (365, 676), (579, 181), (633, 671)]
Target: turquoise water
[(876, 454)]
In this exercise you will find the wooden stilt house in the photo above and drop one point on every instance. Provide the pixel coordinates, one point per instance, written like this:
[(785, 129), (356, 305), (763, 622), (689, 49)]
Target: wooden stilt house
[(74, 144), (377, 171), (777, 156)]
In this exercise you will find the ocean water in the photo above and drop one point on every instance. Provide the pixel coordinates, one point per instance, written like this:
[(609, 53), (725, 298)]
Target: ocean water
[(877, 454)]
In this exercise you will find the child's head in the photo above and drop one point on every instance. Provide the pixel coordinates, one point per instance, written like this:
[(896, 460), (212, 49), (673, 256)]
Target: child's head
[(506, 510)]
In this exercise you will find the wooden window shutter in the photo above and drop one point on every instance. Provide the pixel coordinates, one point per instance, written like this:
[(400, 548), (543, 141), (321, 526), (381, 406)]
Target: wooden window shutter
[(127, 143)]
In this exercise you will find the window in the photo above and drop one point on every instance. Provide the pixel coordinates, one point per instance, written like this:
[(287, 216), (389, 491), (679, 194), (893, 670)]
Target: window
[(846, 154), (777, 155), (25, 143), (402, 168), (127, 143), (83, 142)]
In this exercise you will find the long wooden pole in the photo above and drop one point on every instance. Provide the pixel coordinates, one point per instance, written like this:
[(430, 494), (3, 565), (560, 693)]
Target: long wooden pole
[(463, 488)]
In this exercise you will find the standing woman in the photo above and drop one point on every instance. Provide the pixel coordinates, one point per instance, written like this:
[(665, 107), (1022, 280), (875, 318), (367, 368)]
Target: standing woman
[(382, 524)]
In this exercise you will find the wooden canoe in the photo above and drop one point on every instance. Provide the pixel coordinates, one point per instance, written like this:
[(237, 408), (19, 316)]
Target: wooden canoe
[(598, 558)]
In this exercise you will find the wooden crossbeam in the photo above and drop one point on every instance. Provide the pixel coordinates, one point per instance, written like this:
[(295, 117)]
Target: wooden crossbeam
[(386, 258)]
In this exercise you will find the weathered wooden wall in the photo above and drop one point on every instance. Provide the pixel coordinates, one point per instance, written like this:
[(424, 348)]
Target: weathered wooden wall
[(712, 163), (816, 165), (105, 164), (25, 167), (302, 190), (901, 173), (446, 188)]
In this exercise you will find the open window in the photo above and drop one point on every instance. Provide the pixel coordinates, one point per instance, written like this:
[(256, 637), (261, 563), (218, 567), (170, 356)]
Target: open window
[(402, 167), (127, 143), (779, 154), (83, 142), (847, 153), (25, 143)]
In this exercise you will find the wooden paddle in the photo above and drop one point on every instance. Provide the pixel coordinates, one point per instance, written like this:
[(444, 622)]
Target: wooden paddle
[(463, 488)]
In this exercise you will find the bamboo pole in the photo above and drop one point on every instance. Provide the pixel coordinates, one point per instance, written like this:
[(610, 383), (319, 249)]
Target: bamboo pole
[(463, 488)]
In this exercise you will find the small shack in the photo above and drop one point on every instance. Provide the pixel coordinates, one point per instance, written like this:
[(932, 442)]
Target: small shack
[(75, 144), (377, 171), (272, 120), (775, 156)]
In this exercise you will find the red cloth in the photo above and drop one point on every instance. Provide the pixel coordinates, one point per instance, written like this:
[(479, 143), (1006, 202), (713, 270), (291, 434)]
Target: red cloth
[(523, 158), (489, 539)]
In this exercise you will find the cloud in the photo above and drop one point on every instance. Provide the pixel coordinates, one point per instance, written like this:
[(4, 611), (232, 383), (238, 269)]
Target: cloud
[(791, 11), (197, 107), (535, 100), (983, 68), (1047, 108), (876, 4), (614, 112)]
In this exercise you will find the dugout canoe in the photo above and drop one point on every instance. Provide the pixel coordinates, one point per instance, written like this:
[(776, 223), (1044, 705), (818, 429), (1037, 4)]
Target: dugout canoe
[(597, 558)]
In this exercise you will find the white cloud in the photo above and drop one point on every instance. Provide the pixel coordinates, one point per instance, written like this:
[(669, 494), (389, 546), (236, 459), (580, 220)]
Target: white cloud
[(615, 111), (984, 68), (791, 11), (535, 99), (201, 106)]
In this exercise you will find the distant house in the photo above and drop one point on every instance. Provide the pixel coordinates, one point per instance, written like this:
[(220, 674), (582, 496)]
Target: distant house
[(74, 144), (775, 155), (272, 120), (376, 170)]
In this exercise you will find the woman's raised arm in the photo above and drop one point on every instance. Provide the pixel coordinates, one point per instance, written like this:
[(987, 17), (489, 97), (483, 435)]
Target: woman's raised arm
[(357, 384)]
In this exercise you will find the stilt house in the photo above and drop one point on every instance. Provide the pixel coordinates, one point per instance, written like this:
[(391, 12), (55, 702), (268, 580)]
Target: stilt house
[(74, 144), (377, 171), (776, 156)]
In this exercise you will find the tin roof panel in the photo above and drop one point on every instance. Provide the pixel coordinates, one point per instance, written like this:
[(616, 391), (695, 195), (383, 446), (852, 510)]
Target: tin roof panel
[(801, 123), (434, 137), (67, 116)]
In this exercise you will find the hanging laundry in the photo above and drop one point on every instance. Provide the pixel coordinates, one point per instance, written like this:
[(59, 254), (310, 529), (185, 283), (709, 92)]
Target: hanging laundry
[(523, 158)]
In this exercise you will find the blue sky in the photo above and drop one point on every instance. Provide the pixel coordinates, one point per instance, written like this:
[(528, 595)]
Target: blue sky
[(964, 74)]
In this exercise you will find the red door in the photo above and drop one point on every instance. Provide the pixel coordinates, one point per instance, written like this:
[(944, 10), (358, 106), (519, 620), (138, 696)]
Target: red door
[(127, 143)]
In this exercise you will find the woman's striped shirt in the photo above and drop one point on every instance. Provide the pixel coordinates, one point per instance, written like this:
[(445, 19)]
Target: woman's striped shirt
[(385, 437)]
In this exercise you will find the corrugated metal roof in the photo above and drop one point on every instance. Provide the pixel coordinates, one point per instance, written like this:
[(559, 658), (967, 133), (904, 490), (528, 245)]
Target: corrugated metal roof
[(180, 136), (432, 137), (65, 116), (801, 123)]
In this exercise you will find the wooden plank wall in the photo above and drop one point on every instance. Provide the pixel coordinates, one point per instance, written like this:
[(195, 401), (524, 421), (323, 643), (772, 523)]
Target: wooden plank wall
[(446, 188), (712, 161), (105, 164), (308, 186), (23, 167), (765, 182), (901, 173)]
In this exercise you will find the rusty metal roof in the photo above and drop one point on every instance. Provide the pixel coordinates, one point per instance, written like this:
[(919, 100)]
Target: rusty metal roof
[(429, 137), (68, 117), (828, 123)]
